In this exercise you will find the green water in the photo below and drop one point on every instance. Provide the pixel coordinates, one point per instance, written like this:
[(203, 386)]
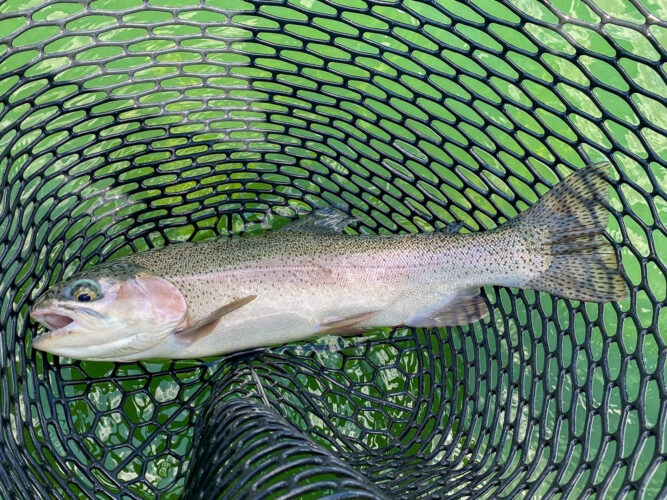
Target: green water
[(434, 138)]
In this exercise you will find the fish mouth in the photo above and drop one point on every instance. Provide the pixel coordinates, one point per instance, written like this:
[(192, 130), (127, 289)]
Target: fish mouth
[(52, 320), (55, 322)]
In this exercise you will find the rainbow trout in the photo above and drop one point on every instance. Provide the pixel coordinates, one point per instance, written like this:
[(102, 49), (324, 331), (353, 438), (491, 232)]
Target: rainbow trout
[(309, 278)]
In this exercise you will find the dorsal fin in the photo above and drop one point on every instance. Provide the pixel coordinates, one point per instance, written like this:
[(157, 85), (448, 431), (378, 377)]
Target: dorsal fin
[(324, 220), (453, 227)]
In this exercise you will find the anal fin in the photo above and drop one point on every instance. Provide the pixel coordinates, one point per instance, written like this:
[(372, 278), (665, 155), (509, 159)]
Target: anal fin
[(204, 326), (465, 307)]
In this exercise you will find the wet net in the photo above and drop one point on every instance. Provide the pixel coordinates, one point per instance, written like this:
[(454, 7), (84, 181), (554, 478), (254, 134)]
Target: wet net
[(129, 124)]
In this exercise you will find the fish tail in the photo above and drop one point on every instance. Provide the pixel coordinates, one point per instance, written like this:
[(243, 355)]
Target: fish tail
[(566, 227)]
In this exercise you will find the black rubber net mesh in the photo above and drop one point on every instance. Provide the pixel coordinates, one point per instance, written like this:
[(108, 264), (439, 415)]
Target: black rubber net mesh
[(129, 124)]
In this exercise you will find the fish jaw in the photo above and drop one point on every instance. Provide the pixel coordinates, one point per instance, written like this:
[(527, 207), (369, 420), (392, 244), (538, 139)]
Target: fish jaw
[(73, 340), (58, 324), (115, 350), (66, 333)]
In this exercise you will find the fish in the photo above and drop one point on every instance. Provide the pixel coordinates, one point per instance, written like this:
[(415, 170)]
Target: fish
[(312, 278)]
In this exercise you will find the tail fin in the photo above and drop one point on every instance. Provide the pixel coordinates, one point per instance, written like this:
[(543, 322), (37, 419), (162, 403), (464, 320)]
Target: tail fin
[(566, 225)]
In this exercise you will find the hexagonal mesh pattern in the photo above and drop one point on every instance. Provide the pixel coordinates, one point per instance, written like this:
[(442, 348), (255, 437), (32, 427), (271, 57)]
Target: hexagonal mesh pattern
[(130, 124)]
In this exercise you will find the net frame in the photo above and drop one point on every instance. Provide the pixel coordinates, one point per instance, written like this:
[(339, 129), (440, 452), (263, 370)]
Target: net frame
[(424, 114)]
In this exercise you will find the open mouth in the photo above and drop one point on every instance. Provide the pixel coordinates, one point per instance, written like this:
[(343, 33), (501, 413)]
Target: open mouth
[(56, 321), (57, 324), (51, 320)]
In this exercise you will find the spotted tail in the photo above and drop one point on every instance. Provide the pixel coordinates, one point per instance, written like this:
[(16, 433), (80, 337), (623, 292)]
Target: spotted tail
[(566, 226)]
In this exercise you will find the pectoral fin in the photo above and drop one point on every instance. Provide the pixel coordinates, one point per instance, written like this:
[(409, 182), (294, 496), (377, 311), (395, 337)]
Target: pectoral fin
[(204, 326), (463, 308), (348, 325)]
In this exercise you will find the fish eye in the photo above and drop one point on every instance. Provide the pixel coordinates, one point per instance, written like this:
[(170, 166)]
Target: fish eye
[(85, 291)]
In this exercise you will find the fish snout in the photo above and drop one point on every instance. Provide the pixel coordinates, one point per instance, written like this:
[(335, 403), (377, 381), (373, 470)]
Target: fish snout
[(63, 332), (58, 323)]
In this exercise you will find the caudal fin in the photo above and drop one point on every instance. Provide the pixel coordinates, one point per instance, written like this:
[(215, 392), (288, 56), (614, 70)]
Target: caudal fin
[(566, 225)]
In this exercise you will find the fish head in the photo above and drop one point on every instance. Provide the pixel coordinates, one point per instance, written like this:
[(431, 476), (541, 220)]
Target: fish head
[(111, 312)]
